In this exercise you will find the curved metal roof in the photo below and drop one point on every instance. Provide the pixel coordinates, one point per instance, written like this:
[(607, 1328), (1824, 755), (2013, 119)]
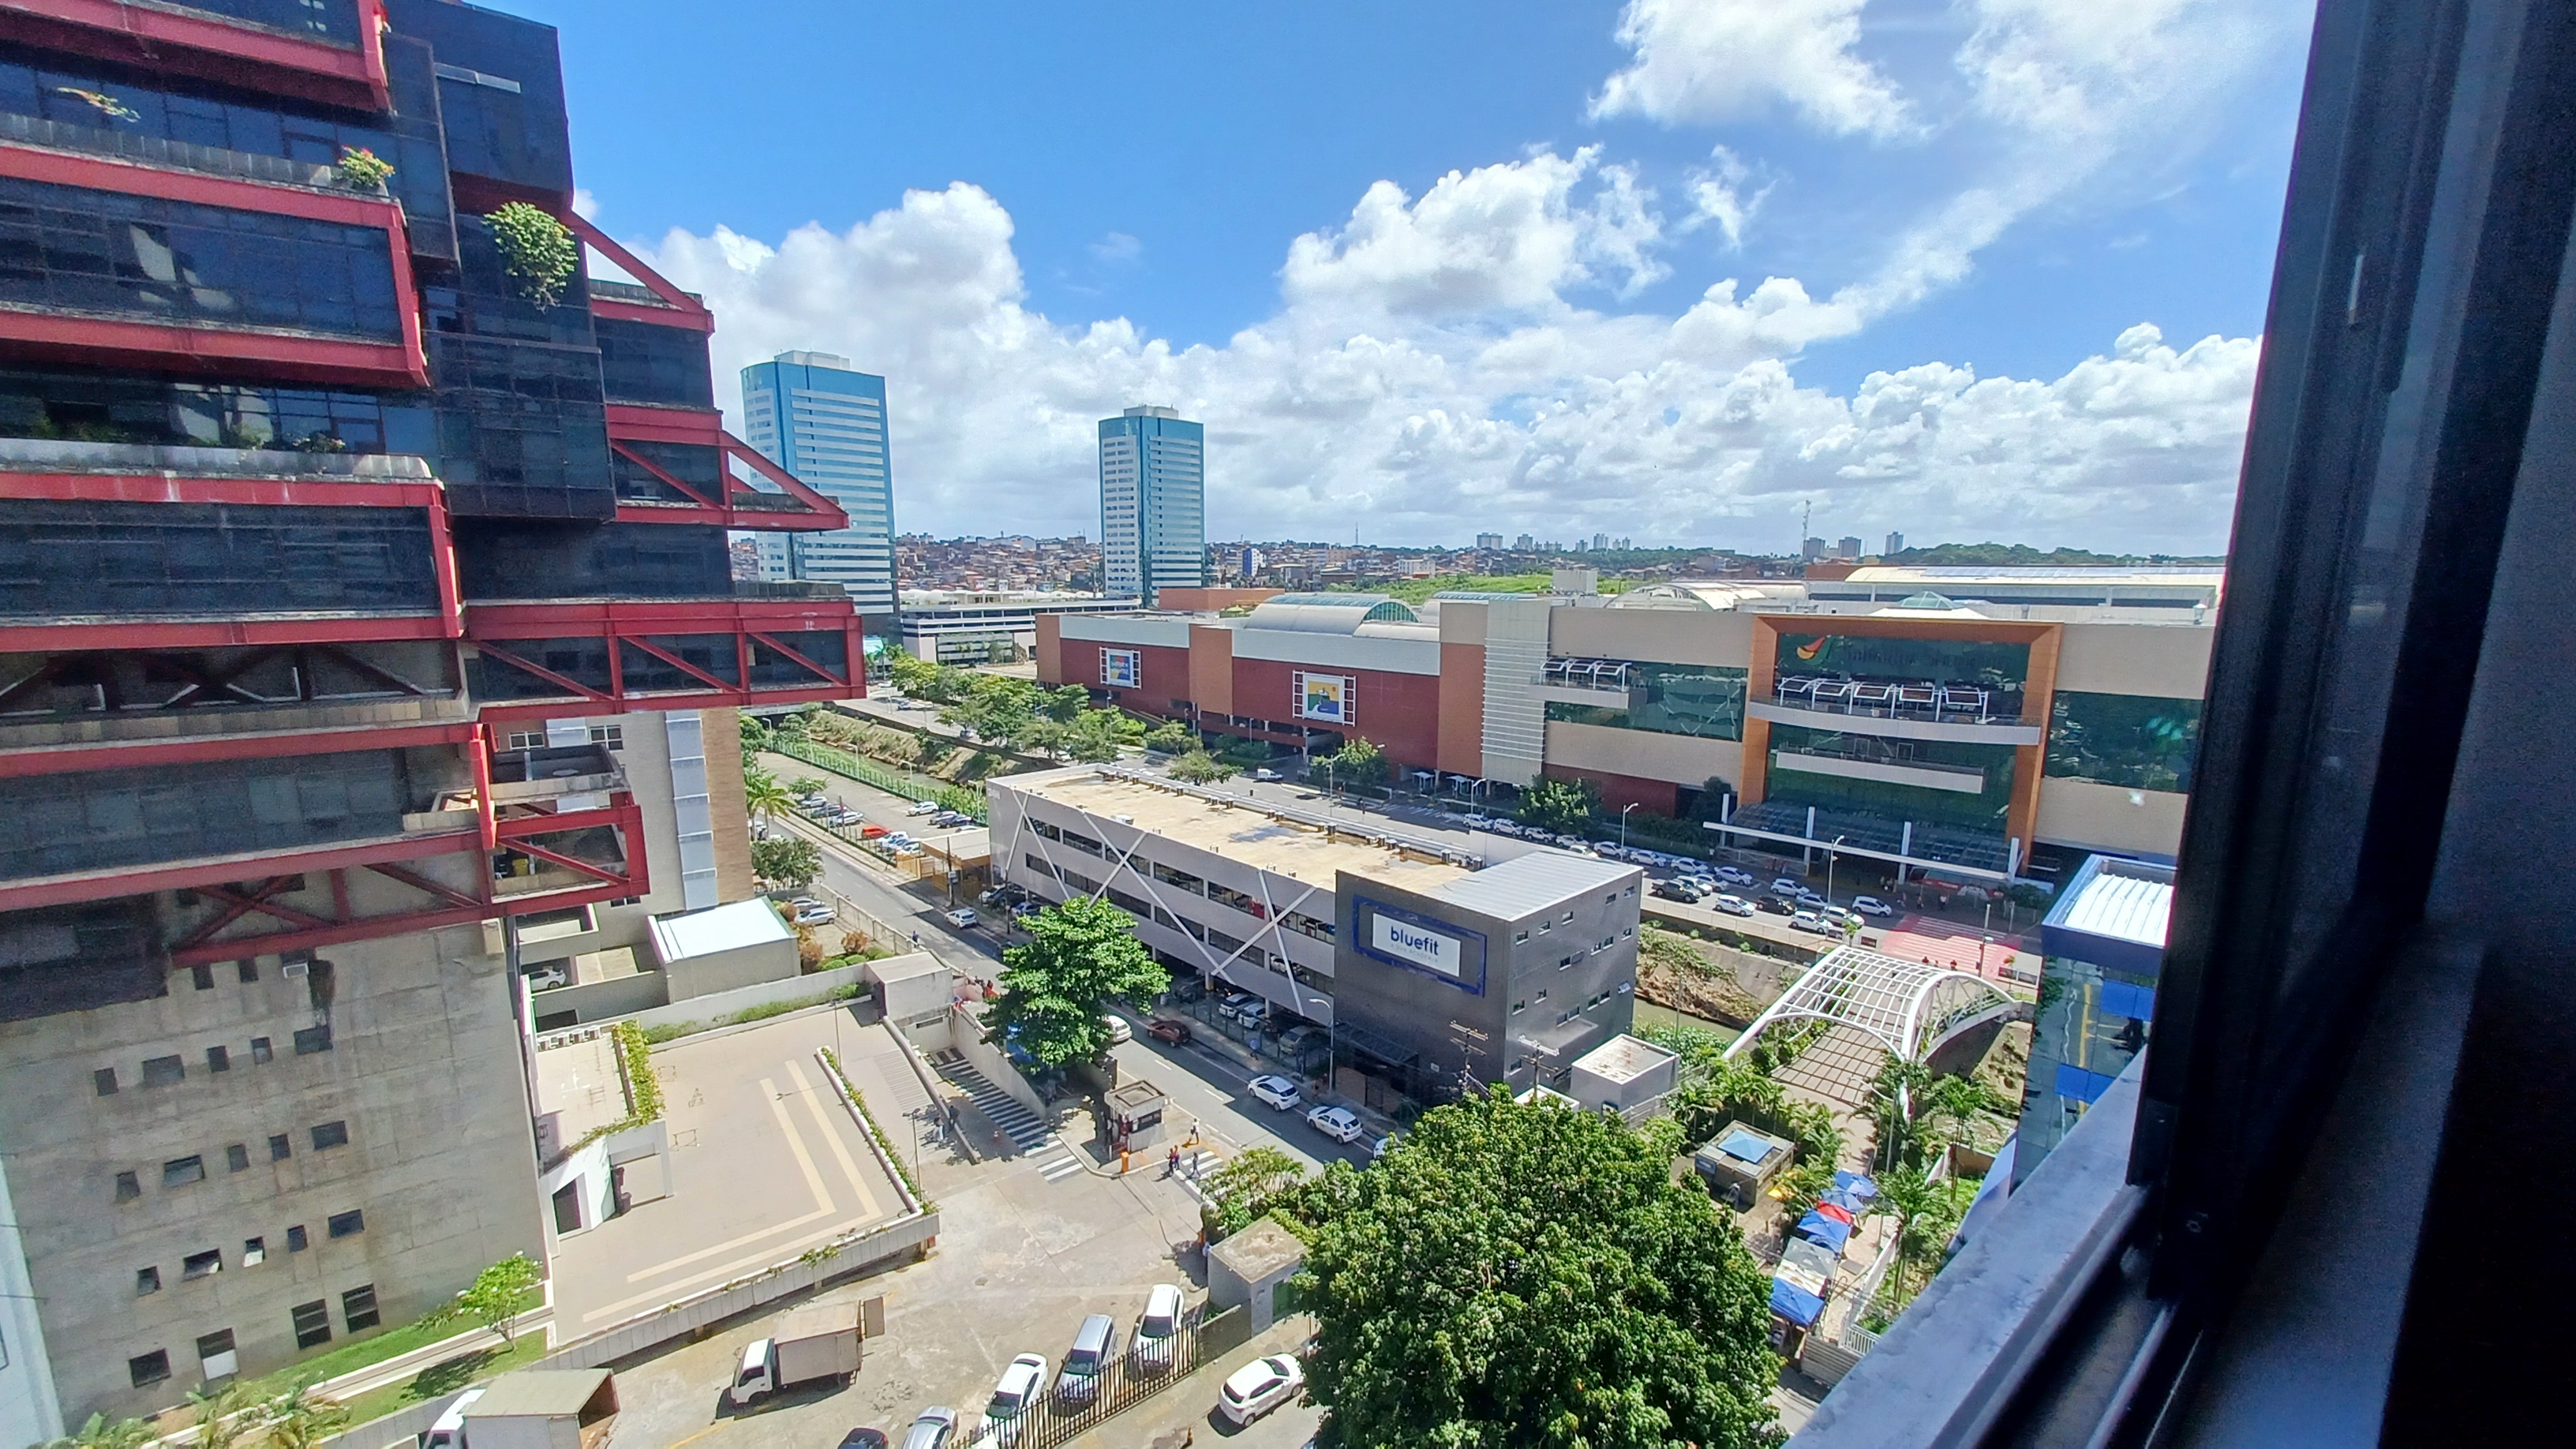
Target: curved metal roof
[(1329, 613), (1898, 1003)]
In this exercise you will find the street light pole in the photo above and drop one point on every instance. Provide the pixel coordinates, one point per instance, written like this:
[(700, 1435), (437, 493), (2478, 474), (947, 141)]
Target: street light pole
[(1623, 821), (1829, 868)]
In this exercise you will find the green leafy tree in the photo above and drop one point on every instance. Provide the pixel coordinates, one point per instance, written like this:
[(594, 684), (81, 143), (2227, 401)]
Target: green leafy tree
[(1357, 762), (1079, 954), (1097, 735), (805, 785), (102, 1432), (756, 737), (1198, 767), (1041, 736), (1066, 704), (788, 860), (498, 1294), (1564, 806), (1241, 1190), (302, 1419), (1171, 739), (1528, 1275)]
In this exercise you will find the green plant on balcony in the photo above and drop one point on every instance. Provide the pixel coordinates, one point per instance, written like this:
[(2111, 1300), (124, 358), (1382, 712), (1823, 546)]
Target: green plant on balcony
[(363, 170), (537, 250)]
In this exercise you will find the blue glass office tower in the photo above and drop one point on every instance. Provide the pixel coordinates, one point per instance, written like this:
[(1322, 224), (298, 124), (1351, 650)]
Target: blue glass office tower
[(811, 414), (1153, 503)]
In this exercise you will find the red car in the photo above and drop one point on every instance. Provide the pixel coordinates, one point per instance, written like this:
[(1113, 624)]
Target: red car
[(872, 832), (1172, 1032)]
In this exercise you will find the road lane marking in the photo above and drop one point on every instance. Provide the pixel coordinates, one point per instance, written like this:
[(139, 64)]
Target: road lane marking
[(796, 1144), (832, 1138)]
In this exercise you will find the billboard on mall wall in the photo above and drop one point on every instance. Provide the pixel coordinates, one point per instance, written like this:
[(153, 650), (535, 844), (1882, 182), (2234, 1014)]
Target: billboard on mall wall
[(1121, 668), (1325, 697), (1416, 942)]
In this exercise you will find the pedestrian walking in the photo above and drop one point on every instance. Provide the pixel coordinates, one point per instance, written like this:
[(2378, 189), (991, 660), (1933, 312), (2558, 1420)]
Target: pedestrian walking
[(1172, 1162)]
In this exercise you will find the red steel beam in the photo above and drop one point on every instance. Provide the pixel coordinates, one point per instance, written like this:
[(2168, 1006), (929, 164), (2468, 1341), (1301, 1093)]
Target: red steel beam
[(689, 311), (535, 710), (369, 928), (277, 351), (316, 492), (141, 880), (211, 47), (543, 619), (219, 634), (568, 862), (515, 827), (647, 424), (678, 663), (200, 749)]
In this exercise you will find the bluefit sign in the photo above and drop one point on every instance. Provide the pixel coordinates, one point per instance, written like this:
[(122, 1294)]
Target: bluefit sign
[(1425, 948), (1438, 949)]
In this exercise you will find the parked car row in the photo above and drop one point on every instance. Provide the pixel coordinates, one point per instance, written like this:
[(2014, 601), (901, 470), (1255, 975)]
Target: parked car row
[(1152, 1347)]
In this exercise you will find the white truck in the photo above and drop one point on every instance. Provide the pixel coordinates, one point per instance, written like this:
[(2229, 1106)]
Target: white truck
[(820, 1342)]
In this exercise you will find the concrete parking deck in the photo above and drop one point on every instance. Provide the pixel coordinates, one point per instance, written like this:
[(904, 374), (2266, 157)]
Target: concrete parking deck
[(766, 1163)]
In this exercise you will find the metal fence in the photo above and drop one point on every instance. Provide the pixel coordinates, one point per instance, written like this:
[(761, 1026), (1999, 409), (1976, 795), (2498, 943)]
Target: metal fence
[(911, 784), (1061, 1416)]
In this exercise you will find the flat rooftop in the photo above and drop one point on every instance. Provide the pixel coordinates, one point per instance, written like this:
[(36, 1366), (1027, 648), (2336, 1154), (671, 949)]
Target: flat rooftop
[(1239, 832), (718, 928), (2123, 900), (1623, 1058), (1537, 881)]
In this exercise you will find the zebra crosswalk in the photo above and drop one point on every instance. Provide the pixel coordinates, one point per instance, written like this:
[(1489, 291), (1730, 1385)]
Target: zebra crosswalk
[(1028, 1135)]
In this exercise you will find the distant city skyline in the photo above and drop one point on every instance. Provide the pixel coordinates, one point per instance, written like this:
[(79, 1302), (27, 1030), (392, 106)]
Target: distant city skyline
[(1153, 502), (823, 420)]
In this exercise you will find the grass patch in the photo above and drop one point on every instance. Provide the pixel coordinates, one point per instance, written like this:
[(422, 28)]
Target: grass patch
[(673, 1031), (348, 1358), (446, 1377)]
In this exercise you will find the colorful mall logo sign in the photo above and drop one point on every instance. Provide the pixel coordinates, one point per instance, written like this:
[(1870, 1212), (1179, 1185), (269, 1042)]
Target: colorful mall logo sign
[(1325, 697)]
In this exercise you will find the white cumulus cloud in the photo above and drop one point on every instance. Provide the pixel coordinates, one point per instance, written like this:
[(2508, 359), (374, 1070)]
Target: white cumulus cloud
[(1460, 361), (1723, 60)]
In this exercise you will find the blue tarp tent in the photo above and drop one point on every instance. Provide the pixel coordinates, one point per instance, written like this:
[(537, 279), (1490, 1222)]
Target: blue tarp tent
[(1794, 1303), (1859, 1186), (1830, 1233)]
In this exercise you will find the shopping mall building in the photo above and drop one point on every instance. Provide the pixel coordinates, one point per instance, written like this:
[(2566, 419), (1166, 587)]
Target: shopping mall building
[(1975, 723)]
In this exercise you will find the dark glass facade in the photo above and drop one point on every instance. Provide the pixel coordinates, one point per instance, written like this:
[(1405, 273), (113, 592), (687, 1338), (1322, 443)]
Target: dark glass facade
[(1966, 661), (335, 21), (2139, 742), (1988, 768), (500, 90), (189, 559), (699, 467), (103, 407), (643, 363), (522, 424), (101, 819), (575, 561), (71, 249), (1706, 701)]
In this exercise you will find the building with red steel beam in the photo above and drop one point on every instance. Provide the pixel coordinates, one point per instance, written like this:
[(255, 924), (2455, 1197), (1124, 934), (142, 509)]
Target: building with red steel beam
[(369, 668)]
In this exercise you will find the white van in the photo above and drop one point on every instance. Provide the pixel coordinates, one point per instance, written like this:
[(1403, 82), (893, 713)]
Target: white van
[(449, 1431)]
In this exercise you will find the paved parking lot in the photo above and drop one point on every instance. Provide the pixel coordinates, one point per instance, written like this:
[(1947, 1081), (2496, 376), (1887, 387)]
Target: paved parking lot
[(766, 1162)]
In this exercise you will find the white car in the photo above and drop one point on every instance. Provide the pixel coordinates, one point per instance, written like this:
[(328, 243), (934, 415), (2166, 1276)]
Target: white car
[(1259, 1387), (815, 915), (1278, 1092), (1787, 885), (1733, 905), (1810, 921), (1158, 1330), (1021, 1384), (963, 918), (1734, 875), (1479, 822), (1872, 906), (1119, 1030), (1265, 776), (923, 807), (1338, 1123)]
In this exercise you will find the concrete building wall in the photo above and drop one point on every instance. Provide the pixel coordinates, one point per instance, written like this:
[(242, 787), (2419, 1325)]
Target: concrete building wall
[(1514, 728), (2168, 661), (2111, 819), (1399, 713), (734, 879), (694, 976), (1684, 760), (1664, 636), (424, 1069)]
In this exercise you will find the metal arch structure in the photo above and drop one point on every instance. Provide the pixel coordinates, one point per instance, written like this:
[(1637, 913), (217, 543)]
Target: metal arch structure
[(1897, 1002)]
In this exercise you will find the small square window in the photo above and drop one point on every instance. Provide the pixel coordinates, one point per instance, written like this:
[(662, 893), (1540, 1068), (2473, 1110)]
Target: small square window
[(249, 970), (1519, 1006), (1567, 919), (254, 1252), (1542, 996), (312, 1323), (128, 1187), (311, 1039), (103, 1081), (330, 1135), (179, 1172), (164, 1071), (219, 1059), (149, 1369), (237, 1158), (210, 1345), (295, 1238), (280, 1149), (348, 1224), (146, 1281), (202, 1265), (259, 1049), (358, 1307), (1520, 936), (203, 974), (1544, 927)]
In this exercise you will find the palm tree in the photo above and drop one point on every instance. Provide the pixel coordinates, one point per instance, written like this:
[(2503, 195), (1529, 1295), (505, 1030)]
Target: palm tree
[(102, 1432), (301, 1419), (764, 797), (224, 1416)]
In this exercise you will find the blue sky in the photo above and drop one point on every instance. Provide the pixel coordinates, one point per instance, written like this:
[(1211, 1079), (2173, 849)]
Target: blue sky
[(1028, 215)]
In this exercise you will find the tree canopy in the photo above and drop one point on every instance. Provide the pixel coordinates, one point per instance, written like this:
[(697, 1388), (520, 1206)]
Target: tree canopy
[(1530, 1275), (788, 860), (1198, 767), (1564, 806), (1357, 762), (1079, 954)]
